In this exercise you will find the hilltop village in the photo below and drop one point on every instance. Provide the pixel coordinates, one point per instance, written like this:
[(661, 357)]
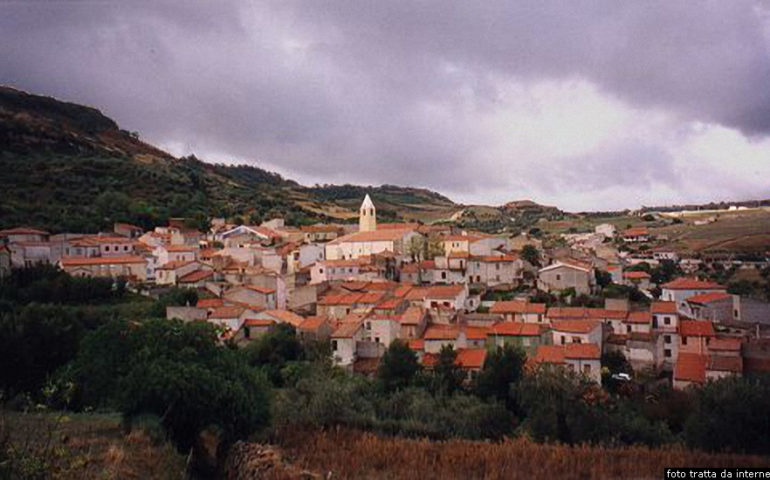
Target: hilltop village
[(362, 287)]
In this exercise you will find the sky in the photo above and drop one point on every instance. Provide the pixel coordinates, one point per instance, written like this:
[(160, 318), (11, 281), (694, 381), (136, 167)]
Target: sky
[(586, 105)]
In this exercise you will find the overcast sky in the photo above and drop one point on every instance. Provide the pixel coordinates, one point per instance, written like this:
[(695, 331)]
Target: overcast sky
[(586, 105)]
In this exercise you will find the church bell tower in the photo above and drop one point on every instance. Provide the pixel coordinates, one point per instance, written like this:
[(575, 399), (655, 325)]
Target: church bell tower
[(367, 216)]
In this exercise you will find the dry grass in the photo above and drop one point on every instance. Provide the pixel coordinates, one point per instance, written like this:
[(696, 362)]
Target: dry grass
[(89, 447), (352, 454)]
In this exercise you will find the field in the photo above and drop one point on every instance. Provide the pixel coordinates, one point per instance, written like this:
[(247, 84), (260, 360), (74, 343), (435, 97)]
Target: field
[(82, 446), (351, 454), (733, 231)]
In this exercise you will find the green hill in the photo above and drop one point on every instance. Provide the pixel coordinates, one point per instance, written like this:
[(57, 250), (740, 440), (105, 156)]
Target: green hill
[(67, 167)]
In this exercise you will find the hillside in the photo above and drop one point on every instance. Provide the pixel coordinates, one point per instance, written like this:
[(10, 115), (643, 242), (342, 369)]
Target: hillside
[(68, 167)]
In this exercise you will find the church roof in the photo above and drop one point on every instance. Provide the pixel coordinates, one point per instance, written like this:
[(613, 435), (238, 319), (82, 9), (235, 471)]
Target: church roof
[(367, 202)]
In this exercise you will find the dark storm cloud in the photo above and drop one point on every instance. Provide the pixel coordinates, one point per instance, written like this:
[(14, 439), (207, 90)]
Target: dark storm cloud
[(392, 91)]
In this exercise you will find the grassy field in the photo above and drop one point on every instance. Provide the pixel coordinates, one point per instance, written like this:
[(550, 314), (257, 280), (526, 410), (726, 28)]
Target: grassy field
[(81, 446), (351, 454), (733, 231)]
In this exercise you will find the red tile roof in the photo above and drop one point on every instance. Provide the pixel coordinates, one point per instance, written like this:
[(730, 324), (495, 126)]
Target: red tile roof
[(696, 328), (582, 351), (258, 289), (209, 302), (567, 312), (387, 235), (710, 297), (22, 231), (312, 323), (227, 312), (196, 276), (445, 291), (174, 264), (635, 232), (412, 316), (516, 329), (663, 307), (476, 333), (258, 322), (549, 354), (691, 367), (575, 326), (441, 332), (471, 358), (417, 344), (390, 304), (285, 316), (76, 262), (722, 363), (685, 283), (517, 306), (636, 275), (347, 329), (726, 344), (639, 318)]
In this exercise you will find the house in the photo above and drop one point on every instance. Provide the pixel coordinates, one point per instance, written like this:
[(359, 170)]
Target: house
[(520, 311), (24, 234), (127, 230), (342, 270), (365, 243), (231, 317), (187, 313), (280, 316), (638, 322), (584, 359), (130, 267), (458, 243), (382, 329), (437, 337), (256, 327), (690, 369), (244, 235), (253, 295), (320, 233), (315, 327), (170, 272), (413, 322), (449, 296), (637, 278), (665, 321), (576, 331), (607, 230), (564, 275), (196, 279), (345, 339), (493, 270), (527, 336), (469, 360), (680, 289), (636, 235), (695, 336), (711, 306)]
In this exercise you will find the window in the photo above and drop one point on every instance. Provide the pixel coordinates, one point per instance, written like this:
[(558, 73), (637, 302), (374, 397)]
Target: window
[(377, 339), (446, 304), (125, 248), (587, 369), (563, 340), (497, 266), (334, 345), (368, 325), (246, 332), (443, 275), (667, 338), (667, 320), (320, 270), (558, 277), (628, 328), (684, 340), (667, 353), (575, 339), (106, 248)]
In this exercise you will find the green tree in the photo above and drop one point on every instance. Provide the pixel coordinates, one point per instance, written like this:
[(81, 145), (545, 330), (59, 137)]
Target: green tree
[(397, 366), (503, 368), (731, 414), (447, 375), (531, 255), (273, 350), (177, 371)]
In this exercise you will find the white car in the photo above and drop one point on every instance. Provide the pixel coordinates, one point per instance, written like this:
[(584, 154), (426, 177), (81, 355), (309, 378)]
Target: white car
[(624, 377)]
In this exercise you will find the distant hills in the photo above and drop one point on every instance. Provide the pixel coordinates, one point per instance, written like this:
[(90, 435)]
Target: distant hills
[(68, 167)]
